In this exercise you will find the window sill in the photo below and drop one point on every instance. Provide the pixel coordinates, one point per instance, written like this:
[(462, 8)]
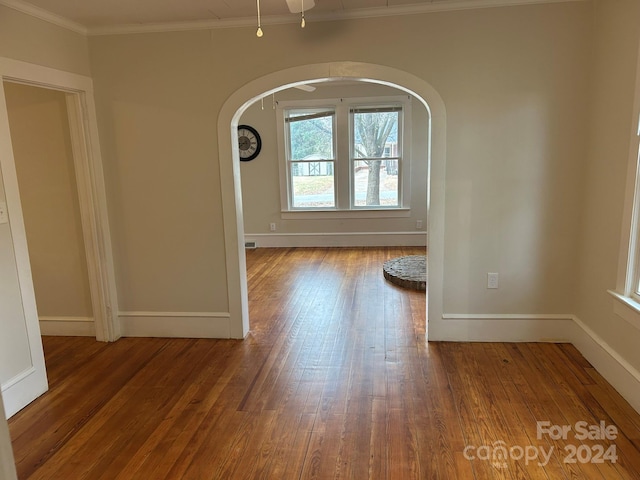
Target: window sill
[(626, 308), (331, 214)]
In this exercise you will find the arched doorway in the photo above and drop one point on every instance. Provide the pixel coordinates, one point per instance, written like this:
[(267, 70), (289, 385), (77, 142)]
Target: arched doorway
[(230, 170)]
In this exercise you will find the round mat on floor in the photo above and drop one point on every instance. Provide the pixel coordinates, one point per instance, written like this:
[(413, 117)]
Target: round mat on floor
[(408, 272)]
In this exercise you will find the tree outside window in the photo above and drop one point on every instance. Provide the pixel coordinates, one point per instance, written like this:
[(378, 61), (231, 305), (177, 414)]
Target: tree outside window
[(375, 150), (344, 155)]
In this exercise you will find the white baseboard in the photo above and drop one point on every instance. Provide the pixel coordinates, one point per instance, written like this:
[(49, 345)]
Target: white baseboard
[(68, 326), (543, 328), (22, 389), (359, 239), (615, 369), (502, 328), (175, 324)]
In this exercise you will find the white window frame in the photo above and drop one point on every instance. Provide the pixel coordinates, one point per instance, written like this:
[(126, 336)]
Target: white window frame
[(627, 292), (289, 162), (632, 287), (399, 158), (342, 163)]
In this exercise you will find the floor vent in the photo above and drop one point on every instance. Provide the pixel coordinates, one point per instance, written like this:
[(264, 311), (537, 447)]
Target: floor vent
[(250, 245)]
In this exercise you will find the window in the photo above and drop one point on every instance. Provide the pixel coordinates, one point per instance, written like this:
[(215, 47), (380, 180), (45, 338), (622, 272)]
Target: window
[(627, 290), (344, 154), (375, 155), (634, 265), (310, 157)]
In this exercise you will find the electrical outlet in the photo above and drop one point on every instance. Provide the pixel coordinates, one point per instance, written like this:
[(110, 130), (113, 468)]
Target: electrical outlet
[(4, 216), (418, 224), (272, 227), (492, 280)]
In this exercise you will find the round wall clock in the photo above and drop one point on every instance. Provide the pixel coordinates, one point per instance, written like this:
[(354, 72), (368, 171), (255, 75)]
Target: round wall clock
[(249, 142)]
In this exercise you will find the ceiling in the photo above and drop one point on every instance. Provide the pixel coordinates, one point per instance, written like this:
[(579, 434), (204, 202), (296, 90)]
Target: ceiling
[(107, 16)]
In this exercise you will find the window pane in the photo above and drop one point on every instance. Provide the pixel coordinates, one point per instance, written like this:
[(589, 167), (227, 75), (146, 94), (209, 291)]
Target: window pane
[(312, 185), (375, 134), (376, 183), (311, 134)]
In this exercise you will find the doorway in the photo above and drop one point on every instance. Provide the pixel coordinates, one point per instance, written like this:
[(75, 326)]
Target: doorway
[(21, 346), (228, 120), (43, 155)]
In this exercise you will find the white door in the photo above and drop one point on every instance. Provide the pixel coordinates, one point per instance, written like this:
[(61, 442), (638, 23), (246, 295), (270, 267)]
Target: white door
[(22, 371)]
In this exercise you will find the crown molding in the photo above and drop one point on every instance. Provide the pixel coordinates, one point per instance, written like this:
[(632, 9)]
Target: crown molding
[(319, 17), (46, 15), (376, 12)]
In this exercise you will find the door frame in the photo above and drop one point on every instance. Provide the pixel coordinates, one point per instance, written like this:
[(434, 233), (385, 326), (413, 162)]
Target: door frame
[(230, 181), (93, 211)]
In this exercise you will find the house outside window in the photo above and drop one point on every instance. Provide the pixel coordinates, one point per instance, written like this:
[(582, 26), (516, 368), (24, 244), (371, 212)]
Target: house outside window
[(310, 134)]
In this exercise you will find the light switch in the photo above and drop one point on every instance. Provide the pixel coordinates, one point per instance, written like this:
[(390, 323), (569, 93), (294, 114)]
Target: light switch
[(4, 216)]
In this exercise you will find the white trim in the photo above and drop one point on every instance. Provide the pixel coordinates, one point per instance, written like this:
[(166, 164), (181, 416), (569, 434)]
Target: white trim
[(615, 369), (626, 308), (68, 326), (356, 213), (312, 16), (64, 318), (352, 239), (176, 324), (230, 180), (502, 328), (90, 180), (18, 378), (45, 15), (22, 389), (503, 316), (173, 314), (44, 77)]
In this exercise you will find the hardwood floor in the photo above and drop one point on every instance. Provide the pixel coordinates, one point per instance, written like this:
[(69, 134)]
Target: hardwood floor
[(335, 380)]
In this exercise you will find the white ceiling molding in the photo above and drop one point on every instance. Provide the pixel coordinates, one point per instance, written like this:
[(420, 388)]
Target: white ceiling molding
[(399, 10), (47, 16)]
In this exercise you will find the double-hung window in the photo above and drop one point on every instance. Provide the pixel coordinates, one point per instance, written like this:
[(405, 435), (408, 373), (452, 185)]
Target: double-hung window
[(375, 155), (311, 157), (628, 287), (344, 154), (633, 271)]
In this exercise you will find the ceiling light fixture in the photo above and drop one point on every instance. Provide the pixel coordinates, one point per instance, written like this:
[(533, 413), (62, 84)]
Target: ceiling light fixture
[(295, 6), (259, 31)]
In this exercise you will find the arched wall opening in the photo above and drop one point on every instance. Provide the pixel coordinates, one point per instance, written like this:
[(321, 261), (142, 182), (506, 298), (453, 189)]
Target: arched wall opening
[(230, 180)]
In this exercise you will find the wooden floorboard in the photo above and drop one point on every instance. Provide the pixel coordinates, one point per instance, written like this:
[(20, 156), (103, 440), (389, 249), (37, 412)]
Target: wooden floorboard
[(335, 381)]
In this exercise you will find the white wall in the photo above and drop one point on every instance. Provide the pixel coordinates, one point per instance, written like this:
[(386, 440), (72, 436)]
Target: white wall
[(612, 134), (515, 85), (261, 182), (29, 39)]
